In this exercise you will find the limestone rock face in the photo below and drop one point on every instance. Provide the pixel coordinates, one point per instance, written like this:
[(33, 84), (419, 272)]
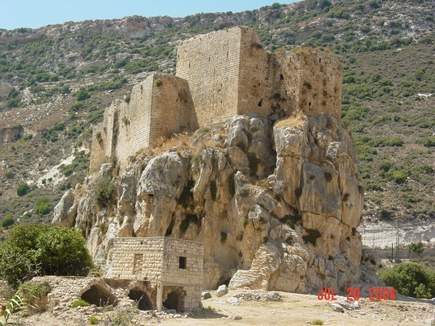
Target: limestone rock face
[(275, 204), (65, 211)]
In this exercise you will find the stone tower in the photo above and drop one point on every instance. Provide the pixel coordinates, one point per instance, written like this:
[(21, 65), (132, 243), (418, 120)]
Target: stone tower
[(229, 73), (159, 106)]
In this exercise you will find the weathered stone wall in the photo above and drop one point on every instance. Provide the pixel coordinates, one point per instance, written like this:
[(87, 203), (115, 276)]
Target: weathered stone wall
[(159, 106), (137, 258), (312, 79), (210, 63), (258, 76), (157, 259), (194, 253)]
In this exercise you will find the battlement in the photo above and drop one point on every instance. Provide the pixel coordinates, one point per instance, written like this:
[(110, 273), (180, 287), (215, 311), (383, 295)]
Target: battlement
[(219, 75)]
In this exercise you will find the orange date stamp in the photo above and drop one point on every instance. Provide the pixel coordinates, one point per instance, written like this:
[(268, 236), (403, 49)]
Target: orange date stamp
[(354, 294)]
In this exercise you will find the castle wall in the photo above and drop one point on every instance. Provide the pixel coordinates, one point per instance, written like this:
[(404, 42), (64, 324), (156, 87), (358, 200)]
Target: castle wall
[(312, 79), (159, 106), (134, 122), (172, 108), (210, 63), (258, 76)]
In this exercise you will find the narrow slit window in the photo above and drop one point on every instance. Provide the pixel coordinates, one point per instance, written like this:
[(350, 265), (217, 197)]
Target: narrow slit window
[(182, 262)]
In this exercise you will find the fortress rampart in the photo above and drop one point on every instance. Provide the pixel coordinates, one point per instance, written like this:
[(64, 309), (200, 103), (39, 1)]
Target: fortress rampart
[(218, 75)]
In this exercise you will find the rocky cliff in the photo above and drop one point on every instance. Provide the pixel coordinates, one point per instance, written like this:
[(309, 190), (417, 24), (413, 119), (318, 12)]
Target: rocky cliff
[(275, 203)]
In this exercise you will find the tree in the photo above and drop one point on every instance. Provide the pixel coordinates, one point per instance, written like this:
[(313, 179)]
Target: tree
[(416, 248), (410, 279), (35, 249)]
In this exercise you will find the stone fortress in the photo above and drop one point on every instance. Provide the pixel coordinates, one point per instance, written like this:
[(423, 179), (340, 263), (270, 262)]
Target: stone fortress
[(218, 75)]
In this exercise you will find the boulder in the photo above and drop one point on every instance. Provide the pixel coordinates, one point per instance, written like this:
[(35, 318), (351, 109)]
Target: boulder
[(221, 290)]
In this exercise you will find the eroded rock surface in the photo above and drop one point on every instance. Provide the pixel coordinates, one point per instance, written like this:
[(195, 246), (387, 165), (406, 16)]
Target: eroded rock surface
[(276, 204)]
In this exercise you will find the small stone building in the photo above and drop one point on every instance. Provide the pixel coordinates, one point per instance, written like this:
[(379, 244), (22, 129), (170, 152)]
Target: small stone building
[(173, 266)]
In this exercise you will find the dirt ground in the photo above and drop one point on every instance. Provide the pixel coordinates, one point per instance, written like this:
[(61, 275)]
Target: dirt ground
[(294, 309), (299, 309)]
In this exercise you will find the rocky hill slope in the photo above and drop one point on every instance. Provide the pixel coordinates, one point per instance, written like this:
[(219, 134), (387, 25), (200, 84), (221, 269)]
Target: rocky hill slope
[(55, 82)]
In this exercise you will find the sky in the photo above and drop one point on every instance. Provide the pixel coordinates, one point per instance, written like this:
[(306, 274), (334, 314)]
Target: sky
[(37, 13)]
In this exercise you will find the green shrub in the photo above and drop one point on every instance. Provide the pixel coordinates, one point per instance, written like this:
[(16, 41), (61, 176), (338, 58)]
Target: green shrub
[(82, 95), (416, 248), (42, 206), (33, 294), (23, 189), (36, 249), (388, 141), (93, 320), (79, 303), (104, 188), (8, 220), (410, 279), (317, 322), (398, 176), (429, 141)]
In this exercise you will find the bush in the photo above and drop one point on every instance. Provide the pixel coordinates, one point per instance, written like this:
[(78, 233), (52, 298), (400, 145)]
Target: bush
[(36, 249), (8, 220), (416, 248), (23, 189), (82, 95), (398, 176), (410, 279), (42, 206), (33, 294), (93, 320), (429, 142), (388, 141), (79, 303), (104, 189)]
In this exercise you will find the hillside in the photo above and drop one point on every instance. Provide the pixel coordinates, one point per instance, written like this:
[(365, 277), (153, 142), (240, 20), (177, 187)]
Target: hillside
[(56, 81)]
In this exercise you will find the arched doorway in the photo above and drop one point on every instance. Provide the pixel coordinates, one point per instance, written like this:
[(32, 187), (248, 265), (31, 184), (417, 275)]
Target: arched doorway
[(142, 299), (175, 299), (99, 295)]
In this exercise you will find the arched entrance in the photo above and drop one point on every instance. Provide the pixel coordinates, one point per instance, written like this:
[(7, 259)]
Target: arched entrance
[(142, 299), (175, 299), (99, 295)]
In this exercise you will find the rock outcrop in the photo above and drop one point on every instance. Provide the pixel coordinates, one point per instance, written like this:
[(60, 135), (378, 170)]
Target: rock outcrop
[(273, 196), (276, 204), (11, 134)]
